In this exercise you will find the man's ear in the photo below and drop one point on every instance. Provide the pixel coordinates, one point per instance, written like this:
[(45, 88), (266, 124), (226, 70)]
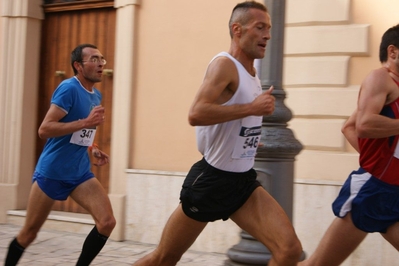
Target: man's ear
[(237, 29), (392, 51), (77, 65)]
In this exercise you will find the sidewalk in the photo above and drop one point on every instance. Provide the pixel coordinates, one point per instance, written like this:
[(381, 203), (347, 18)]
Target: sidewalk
[(56, 248)]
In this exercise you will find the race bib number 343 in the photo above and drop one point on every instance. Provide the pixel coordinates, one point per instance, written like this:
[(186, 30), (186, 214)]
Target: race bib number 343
[(83, 137)]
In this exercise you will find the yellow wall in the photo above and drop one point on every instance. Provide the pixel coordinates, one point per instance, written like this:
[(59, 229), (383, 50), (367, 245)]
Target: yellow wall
[(176, 40), (381, 15)]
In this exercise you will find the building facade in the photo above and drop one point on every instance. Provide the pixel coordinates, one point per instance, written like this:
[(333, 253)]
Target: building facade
[(160, 53)]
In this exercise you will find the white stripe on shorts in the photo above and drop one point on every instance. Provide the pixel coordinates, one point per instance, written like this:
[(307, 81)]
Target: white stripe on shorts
[(357, 181)]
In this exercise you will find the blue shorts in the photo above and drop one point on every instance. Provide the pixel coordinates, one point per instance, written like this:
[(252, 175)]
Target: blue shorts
[(374, 204), (58, 189)]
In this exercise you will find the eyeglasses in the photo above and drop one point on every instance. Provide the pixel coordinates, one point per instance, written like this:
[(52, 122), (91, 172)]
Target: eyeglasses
[(96, 60)]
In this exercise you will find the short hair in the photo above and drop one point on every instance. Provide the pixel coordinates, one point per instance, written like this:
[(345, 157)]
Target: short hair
[(239, 13), (76, 54), (390, 37)]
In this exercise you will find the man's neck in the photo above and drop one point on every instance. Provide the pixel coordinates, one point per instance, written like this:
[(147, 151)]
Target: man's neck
[(87, 85), (248, 63)]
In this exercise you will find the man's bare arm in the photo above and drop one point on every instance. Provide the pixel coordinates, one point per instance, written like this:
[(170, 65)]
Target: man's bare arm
[(207, 108), (349, 131), (52, 127), (373, 96)]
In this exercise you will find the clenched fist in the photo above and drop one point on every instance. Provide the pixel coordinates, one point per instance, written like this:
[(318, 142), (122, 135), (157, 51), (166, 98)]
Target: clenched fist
[(264, 103)]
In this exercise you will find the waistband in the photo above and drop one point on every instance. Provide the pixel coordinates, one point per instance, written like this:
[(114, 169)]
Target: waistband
[(379, 181), (233, 174)]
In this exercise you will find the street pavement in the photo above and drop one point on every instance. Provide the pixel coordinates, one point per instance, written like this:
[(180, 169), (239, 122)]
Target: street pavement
[(58, 248)]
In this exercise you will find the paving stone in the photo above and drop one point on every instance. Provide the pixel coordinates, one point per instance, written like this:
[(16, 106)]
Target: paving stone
[(56, 248)]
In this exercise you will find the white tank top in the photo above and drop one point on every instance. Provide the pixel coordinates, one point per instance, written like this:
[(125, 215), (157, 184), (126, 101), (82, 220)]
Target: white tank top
[(231, 146)]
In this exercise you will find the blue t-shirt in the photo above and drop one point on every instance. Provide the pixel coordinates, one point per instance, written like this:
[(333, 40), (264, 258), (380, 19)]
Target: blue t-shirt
[(61, 159)]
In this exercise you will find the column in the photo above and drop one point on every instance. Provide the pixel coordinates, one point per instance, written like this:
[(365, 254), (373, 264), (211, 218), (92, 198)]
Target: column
[(121, 115), (19, 78)]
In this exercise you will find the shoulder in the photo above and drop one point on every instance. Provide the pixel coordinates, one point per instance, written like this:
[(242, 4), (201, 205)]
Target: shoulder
[(222, 65), (379, 76), (66, 87), (379, 83), (222, 60), (222, 72), (68, 83)]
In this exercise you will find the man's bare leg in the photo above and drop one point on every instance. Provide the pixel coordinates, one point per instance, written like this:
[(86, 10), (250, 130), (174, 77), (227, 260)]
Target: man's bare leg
[(339, 241), (392, 235), (179, 234), (263, 218)]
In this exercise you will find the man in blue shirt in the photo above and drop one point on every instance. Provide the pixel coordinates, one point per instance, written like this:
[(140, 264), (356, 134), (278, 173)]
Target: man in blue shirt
[(63, 168)]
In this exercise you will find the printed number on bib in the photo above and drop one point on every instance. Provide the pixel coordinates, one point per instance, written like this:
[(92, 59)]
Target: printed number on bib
[(247, 142), (251, 142), (84, 137)]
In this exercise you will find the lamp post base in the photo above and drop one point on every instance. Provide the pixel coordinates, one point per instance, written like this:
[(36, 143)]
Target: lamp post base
[(248, 251)]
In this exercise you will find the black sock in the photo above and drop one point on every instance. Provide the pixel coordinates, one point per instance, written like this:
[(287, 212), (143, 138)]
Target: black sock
[(15, 251), (91, 247)]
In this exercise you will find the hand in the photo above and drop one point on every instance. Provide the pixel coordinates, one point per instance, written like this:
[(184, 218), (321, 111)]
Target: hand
[(96, 116), (264, 103), (102, 157)]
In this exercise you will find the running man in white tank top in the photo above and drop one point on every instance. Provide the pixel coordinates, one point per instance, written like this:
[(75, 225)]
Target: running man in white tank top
[(227, 112)]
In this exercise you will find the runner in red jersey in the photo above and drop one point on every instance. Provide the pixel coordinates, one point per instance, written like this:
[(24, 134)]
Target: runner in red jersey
[(369, 199), (379, 156)]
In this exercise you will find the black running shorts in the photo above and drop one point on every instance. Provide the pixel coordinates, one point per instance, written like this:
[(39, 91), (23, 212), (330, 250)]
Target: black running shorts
[(209, 194)]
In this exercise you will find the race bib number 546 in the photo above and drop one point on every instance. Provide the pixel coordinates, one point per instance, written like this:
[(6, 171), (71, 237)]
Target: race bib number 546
[(83, 137), (247, 142)]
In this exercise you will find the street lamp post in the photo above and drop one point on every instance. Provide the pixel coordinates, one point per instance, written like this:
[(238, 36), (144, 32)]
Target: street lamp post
[(274, 161)]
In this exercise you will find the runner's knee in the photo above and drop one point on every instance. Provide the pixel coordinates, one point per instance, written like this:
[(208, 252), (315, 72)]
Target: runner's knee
[(106, 225), (288, 252)]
